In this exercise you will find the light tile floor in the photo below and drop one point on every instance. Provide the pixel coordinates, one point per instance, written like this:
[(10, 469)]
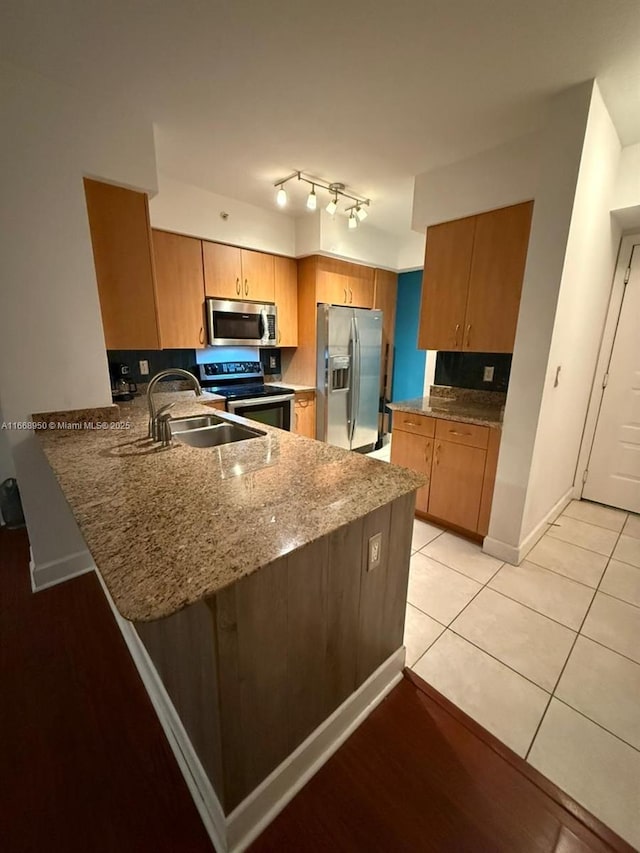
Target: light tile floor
[(545, 655)]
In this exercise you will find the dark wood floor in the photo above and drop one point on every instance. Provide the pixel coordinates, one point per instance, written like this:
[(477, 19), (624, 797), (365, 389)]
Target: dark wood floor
[(84, 765), (419, 775)]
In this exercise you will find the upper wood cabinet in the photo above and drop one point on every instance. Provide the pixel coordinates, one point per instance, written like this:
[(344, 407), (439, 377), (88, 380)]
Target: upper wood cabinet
[(495, 284), (258, 276), (121, 240), (222, 270), (179, 290), (385, 298), (233, 273), (342, 283), (472, 281), (445, 284), (286, 299)]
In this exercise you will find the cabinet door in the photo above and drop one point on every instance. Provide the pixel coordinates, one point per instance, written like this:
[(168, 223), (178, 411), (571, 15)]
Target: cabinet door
[(456, 483), (179, 290), (222, 270), (497, 270), (286, 299), (385, 298), (257, 276), (305, 415), (360, 283), (445, 284), (332, 288), (122, 254), (414, 452)]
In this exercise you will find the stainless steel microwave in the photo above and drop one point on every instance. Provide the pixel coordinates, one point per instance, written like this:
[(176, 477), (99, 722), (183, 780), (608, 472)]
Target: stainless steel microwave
[(232, 323)]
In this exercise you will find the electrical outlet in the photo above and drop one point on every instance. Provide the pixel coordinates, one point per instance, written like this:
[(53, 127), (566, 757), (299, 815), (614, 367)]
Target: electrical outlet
[(488, 373), (375, 551), (144, 367)]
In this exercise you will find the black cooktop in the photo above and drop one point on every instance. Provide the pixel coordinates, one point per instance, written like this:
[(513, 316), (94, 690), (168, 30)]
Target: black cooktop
[(248, 392)]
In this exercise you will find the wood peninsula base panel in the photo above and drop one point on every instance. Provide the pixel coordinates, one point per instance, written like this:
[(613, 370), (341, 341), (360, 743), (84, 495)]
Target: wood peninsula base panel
[(460, 460), (256, 668)]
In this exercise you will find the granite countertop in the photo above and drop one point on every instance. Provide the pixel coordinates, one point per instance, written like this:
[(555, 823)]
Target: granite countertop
[(170, 526), (484, 408)]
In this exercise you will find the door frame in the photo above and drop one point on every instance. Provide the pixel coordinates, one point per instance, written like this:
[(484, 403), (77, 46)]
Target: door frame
[(623, 262)]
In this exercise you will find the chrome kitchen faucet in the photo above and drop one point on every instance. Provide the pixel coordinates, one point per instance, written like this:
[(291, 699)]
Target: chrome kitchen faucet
[(159, 429)]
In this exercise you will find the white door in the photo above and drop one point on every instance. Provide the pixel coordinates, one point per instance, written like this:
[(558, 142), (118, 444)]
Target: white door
[(614, 465)]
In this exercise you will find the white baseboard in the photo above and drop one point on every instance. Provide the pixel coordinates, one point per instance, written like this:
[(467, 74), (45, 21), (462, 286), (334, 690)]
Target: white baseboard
[(515, 555), (44, 575), (234, 832)]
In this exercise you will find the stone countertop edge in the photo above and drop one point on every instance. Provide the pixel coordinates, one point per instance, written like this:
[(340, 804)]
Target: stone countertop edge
[(451, 410), (168, 527)]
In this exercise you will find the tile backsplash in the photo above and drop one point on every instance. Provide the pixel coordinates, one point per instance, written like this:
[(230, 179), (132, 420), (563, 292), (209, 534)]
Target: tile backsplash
[(158, 360), (467, 370)]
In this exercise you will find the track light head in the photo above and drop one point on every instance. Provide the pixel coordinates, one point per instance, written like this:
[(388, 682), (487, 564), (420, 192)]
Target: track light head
[(332, 206), (281, 196), (312, 199), (361, 213), (353, 222)]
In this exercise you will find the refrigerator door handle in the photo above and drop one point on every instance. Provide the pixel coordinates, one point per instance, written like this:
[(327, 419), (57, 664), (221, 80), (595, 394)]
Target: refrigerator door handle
[(355, 378)]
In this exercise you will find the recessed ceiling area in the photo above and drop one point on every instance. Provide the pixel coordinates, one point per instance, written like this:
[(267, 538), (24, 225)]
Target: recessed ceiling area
[(366, 93)]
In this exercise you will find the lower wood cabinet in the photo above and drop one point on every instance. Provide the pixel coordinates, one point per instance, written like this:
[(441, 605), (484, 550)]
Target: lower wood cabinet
[(414, 451), (305, 414), (459, 460), (456, 483)]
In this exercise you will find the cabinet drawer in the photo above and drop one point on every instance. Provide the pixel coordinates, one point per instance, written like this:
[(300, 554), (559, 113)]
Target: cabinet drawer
[(408, 422), (460, 433)]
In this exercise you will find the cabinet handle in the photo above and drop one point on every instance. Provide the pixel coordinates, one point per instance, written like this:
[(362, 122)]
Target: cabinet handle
[(246, 289), (201, 335), (296, 421), (238, 286), (468, 335), (279, 336), (455, 339), (345, 296), (437, 460), (350, 296), (410, 423), (455, 432)]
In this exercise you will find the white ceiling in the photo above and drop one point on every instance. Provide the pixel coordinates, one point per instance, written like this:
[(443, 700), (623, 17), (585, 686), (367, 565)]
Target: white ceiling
[(368, 92)]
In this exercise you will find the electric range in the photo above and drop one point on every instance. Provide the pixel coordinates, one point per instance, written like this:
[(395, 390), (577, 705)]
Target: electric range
[(242, 384)]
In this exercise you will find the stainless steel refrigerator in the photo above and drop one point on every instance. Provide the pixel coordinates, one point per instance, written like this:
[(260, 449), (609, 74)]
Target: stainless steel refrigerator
[(348, 381)]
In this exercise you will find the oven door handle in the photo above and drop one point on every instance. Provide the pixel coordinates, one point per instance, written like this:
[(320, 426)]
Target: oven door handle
[(235, 404)]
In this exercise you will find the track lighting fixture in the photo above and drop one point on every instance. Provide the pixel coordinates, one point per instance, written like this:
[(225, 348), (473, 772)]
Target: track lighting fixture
[(312, 200), (356, 213)]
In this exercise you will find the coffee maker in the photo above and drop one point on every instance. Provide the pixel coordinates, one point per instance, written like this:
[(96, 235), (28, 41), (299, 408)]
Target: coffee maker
[(122, 389)]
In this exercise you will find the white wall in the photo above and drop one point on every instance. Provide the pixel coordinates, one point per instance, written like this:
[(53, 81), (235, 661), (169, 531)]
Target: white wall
[(626, 195), (52, 353), (590, 257), (495, 178), (191, 210), (560, 152)]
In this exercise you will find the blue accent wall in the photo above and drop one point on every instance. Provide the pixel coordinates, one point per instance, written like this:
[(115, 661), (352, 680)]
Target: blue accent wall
[(409, 361)]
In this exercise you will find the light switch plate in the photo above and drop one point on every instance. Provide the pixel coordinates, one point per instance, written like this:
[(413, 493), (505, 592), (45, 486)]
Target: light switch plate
[(144, 367), (375, 551), (488, 373)]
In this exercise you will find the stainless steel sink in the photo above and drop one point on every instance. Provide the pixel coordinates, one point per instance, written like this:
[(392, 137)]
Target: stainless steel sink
[(194, 422), (210, 431)]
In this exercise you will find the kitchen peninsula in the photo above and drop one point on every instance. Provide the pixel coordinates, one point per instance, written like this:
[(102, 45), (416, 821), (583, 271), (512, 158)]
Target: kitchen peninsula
[(253, 581)]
